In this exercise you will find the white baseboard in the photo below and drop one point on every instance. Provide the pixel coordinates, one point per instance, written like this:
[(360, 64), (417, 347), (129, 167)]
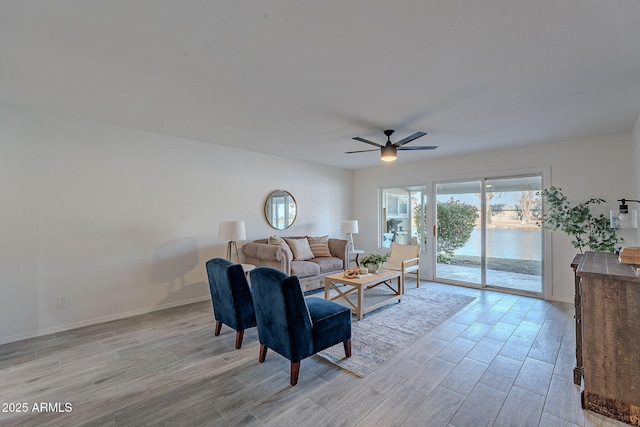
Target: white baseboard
[(561, 299), (69, 326)]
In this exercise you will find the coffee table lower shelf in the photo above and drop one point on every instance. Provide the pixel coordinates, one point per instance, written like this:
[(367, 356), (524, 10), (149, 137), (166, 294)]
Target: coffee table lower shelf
[(365, 294)]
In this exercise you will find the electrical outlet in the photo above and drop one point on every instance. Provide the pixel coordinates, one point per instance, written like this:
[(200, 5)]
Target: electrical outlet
[(63, 301)]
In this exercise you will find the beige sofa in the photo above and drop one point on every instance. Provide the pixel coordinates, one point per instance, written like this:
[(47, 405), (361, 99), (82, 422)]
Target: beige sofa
[(311, 272)]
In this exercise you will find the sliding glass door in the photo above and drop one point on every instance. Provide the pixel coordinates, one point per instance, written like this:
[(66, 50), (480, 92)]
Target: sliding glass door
[(513, 237), (487, 232), (459, 232)]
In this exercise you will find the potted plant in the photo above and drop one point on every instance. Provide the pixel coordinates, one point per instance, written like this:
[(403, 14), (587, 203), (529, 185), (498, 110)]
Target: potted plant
[(374, 261), (587, 231)]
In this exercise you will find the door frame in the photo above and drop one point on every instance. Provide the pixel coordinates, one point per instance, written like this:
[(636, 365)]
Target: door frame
[(545, 173)]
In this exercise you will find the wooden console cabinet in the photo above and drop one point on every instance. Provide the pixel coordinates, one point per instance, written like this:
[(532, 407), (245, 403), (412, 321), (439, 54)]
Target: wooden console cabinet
[(577, 371), (609, 299)]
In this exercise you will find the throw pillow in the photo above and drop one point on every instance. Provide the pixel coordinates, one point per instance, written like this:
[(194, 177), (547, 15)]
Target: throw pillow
[(319, 246), (275, 240), (300, 248)]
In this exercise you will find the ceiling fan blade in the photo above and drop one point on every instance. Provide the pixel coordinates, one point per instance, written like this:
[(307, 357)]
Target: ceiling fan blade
[(366, 141), (409, 139), (359, 151), (426, 147)]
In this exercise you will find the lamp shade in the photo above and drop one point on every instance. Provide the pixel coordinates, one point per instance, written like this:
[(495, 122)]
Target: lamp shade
[(231, 231), (350, 226), (389, 153), (619, 219)]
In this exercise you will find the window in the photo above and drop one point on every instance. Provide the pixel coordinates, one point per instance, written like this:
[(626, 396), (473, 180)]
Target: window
[(403, 206), (397, 205), (499, 243), (402, 216)]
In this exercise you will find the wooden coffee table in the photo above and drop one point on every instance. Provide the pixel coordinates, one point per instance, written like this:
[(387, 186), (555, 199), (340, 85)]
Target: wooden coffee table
[(353, 290)]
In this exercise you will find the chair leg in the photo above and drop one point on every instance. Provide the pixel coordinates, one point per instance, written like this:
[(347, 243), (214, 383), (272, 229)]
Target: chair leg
[(239, 336), (418, 278), (295, 372), (347, 347), (218, 328), (263, 353)]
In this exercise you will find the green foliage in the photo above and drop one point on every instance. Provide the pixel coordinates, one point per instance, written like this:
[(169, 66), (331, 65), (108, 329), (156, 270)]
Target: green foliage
[(586, 230), (456, 221), (419, 221), (376, 259)]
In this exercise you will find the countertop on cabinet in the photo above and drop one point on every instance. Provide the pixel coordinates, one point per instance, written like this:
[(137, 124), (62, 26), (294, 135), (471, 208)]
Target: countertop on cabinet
[(607, 264)]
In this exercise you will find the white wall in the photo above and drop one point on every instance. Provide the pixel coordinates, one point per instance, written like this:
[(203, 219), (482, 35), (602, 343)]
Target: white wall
[(635, 191), (121, 221), (593, 167)]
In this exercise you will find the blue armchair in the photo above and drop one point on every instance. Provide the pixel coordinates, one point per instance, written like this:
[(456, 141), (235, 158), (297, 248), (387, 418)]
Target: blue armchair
[(293, 326), (231, 297)]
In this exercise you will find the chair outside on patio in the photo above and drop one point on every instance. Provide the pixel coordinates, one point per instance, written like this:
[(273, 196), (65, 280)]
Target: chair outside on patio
[(404, 258)]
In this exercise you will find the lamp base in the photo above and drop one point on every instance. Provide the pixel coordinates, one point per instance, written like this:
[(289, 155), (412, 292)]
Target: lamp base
[(350, 240), (232, 247)]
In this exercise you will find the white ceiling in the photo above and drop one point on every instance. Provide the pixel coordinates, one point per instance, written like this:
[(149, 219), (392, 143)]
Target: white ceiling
[(301, 78)]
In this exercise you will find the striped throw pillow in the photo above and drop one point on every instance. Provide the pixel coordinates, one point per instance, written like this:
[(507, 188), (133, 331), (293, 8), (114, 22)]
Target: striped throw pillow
[(319, 246)]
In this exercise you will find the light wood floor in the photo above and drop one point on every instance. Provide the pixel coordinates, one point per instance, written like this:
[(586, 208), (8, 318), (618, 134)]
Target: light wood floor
[(504, 360)]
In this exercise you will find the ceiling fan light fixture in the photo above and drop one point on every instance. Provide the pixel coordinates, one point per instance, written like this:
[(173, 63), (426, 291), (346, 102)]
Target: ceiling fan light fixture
[(389, 153)]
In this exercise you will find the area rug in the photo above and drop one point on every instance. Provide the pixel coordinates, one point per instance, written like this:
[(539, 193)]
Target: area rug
[(384, 332)]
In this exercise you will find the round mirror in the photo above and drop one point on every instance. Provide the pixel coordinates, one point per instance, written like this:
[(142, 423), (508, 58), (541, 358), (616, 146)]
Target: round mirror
[(280, 209)]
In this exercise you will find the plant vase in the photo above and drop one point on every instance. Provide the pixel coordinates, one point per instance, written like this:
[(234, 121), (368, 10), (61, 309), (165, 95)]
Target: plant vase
[(374, 261)]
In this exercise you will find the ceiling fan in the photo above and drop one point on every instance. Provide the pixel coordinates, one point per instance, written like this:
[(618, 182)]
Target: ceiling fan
[(389, 150)]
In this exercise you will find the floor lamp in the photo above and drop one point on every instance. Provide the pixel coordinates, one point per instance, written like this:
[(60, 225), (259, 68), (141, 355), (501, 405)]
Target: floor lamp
[(232, 231)]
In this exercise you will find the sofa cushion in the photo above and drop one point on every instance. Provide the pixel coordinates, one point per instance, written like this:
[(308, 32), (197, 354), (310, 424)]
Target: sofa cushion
[(300, 248), (304, 268), (275, 240), (319, 246), (328, 264)]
